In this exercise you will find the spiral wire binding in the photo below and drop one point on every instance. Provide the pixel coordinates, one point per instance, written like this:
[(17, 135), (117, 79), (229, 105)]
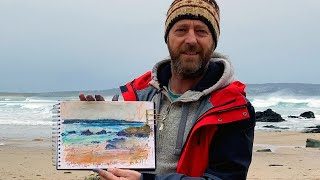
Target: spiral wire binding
[(154, 118), (55, 133)]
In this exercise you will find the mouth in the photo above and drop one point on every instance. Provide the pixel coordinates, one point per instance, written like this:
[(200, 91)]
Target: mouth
[(190, 53)]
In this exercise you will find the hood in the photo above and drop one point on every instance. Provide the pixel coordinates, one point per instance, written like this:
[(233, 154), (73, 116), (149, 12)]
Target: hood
[(220, 73)]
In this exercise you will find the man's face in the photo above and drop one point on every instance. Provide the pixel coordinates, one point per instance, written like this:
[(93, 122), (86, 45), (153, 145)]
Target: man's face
[(190, 44)]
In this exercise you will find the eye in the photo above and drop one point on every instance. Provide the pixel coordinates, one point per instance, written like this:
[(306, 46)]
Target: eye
[(181, 30), (202, 32)]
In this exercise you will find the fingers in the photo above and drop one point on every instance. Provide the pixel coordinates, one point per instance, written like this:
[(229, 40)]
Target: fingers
[(115, 97), (118, 172), (129, 174), (105, 174), (99, 98), (82, 97), (89, 97)]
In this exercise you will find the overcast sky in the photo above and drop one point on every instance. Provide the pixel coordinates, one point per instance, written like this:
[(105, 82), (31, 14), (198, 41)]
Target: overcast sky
[(59, 45)]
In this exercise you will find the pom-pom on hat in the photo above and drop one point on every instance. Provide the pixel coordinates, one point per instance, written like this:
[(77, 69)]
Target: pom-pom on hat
[(204, 10)]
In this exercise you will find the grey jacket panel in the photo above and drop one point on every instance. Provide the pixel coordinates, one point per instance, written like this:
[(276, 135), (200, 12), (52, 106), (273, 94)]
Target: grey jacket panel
[(179, 116)]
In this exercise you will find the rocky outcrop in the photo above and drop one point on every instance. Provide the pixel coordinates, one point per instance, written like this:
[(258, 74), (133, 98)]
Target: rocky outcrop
[(110, 146), (308, 115), (294, 117), (314, 129), (143, 131), (275, 127), (268, 116), (116, 140), (86, 132), (101, 132), (264, 150), (313, 143)]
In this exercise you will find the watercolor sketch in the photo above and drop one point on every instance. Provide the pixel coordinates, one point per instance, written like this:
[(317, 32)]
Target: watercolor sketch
[(106, 134)]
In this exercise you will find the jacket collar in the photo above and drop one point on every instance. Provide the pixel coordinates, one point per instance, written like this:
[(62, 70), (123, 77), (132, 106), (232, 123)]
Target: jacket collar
[(219, 74)]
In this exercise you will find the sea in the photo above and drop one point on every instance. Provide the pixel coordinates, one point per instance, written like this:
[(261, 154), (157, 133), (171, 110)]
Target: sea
[(29, 115)]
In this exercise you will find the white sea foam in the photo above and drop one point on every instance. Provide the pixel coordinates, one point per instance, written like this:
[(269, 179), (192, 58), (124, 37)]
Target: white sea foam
[(314, 103), (274, 101), (36, 111), (26, 122), (26, 112)]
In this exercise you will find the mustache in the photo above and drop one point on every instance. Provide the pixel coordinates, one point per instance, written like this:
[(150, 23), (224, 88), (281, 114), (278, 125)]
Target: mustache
[(190, 48)]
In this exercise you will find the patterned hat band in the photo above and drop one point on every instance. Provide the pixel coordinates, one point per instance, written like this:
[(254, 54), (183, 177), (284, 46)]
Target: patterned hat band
[(204, 10)]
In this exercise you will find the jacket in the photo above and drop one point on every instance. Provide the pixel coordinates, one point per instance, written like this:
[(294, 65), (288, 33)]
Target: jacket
[(219, 143)]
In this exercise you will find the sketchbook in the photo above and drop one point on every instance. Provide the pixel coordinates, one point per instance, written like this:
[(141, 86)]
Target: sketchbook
[(104, 134)]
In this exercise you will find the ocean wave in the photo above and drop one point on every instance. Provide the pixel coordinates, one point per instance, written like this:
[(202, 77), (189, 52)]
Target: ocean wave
[(26, 122), (40, 100), (265, 102), (314, 104)]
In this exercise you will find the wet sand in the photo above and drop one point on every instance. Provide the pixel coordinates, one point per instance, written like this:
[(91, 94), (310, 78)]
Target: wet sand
[(289, 159)]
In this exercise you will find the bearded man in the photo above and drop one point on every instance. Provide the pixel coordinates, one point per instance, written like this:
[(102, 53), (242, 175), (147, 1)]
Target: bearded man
[(209, 124)]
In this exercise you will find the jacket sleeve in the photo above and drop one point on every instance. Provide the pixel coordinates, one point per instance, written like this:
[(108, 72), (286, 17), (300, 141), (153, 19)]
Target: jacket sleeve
[(231, 149), (230, 152)]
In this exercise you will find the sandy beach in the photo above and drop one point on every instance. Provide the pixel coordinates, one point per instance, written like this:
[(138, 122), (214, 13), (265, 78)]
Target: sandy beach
[(289, 159)]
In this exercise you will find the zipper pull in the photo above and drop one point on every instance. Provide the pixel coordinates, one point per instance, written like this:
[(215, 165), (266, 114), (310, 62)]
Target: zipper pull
[(161, 126), (162, 121)]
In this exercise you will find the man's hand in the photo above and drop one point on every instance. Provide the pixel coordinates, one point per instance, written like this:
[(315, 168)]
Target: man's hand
[(89, 97), (118, 174)]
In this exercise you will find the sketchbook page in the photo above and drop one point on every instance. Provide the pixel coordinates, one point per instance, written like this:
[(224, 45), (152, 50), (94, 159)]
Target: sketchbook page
[(104, 134)]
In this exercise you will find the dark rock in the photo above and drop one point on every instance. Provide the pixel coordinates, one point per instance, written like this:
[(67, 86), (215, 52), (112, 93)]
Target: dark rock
[(141, 135), (268, 116), (116, 140), (312, 143), (315, 129), (122, 133), (308, 114), (86, 132), (110, 146), (95, 142), (264, 150), (294, 117), (275, 165), (102, 132), (274, 127), (72, 132)]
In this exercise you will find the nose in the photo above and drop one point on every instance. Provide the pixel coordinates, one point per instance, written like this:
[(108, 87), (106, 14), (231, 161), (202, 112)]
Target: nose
[(191, 37)]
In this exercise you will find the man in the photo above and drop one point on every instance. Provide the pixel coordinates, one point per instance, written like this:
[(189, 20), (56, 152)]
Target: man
[(208, 125)]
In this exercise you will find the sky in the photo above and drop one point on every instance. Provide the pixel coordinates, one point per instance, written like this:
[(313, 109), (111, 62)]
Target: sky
[(130, 111), (75, 45)]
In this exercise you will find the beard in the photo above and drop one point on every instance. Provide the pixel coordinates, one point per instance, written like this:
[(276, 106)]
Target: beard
[(190, 67)]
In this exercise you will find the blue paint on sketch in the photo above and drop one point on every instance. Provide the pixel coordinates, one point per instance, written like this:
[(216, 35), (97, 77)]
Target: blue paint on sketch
[(88, 132)]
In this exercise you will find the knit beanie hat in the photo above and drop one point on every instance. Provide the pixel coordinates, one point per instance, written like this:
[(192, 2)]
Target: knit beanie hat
[(204, 10)]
